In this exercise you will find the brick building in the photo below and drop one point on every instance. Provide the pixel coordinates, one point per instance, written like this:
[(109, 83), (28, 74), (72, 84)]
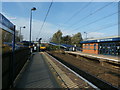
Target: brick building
[(106, 46)]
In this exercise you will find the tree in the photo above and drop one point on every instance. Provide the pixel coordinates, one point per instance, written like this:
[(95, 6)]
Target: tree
[(18, 37), (76, 39), (57, 37), (66, 39), (6, 36)]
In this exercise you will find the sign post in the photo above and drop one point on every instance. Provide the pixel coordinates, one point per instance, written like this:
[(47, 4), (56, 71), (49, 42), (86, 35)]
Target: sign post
[(13, 58), (8, 30)]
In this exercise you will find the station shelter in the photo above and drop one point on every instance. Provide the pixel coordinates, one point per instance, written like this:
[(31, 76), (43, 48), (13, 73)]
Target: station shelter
[(106, 46)]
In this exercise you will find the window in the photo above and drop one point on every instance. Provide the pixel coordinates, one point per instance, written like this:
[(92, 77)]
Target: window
[(85, 46), (94, 46), (88, 46)]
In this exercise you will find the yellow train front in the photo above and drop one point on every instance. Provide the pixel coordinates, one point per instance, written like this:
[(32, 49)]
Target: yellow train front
[(42, 47)]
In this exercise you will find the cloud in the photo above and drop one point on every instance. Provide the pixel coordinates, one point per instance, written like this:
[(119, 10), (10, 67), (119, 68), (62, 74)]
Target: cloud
[(95, 35), (46, 32), (8, 16), (59, 1)]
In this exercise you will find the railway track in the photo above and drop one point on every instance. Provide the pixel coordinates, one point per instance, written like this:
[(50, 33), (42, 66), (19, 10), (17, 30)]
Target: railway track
[(92, 80)]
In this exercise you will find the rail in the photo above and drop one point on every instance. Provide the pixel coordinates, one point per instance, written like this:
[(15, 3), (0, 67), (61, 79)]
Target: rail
[(94, 80)]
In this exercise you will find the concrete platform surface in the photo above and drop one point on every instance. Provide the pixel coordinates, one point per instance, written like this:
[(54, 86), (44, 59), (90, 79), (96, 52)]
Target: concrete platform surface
[(106, 57), (36, 74)]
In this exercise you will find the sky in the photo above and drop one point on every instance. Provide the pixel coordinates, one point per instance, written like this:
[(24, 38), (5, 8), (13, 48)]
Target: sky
[(97, 19)]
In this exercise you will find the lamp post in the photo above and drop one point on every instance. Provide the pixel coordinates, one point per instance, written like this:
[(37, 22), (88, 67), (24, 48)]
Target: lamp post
[(20, 32), (39, 43), (86, 35), (33, 9)]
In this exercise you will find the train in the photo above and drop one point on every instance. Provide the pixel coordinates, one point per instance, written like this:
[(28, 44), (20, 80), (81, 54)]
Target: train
[(39, 47), (43, 47)]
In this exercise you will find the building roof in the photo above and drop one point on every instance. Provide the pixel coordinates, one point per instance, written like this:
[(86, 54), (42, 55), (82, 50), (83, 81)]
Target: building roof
[(66, 45), (105, 39), (62, 45), (55, 44)]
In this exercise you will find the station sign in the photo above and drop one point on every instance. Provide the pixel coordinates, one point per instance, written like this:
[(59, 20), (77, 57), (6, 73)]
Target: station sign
[(5, 24), (8, 31), (103, 40)]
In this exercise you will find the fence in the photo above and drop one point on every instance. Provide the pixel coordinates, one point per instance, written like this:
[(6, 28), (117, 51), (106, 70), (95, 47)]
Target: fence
[(10, 68)]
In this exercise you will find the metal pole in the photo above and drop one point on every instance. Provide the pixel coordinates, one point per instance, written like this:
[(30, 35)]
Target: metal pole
[(86, 36), (30, 27), (20, 33), (20, 30), (39, 43), (13, 58), (36, 39)]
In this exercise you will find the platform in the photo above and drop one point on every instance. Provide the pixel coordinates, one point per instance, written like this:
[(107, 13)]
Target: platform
[(98, 56), (36, 74)]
